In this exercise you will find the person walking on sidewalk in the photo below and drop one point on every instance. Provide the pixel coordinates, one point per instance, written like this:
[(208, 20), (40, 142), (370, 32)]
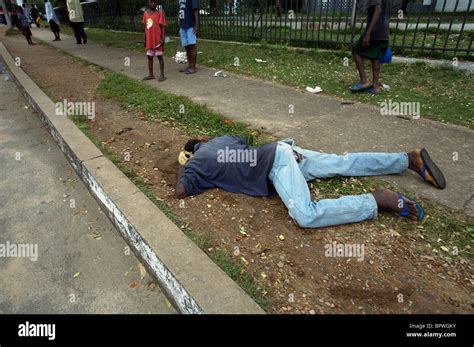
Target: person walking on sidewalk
[(15, 19), (188, 18), (155, 23), (25, 25), (372, 45), (76, 17), (52, 20), (26, 13), (34, 13), (228, 163)]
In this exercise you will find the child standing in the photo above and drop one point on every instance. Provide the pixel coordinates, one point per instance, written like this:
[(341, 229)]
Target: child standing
[(52, 20), (372, 45), (155, 24), (25, 25)]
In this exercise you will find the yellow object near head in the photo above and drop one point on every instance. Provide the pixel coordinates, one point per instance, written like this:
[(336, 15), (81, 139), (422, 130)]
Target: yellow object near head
[(183, 157)]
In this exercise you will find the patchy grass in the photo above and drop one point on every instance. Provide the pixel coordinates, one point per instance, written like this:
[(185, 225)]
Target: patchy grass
[(443, 233), (218, 255), (12, 32), (444, 94), (177, 111), (440, 227)]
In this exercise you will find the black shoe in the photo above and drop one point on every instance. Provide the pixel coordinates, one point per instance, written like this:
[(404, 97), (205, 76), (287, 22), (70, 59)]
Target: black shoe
[(85, 41), (79, 42)]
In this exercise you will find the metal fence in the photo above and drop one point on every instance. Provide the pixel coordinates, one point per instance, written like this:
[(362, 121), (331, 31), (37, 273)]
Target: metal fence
[(434, 27)]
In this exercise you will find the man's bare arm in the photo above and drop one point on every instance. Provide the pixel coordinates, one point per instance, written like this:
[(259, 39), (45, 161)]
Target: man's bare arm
[(196, 20), (180, 190), (373, 22)]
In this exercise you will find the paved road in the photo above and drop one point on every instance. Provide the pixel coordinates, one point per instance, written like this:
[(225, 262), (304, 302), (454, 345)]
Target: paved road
[(319, 122), (44, 203)]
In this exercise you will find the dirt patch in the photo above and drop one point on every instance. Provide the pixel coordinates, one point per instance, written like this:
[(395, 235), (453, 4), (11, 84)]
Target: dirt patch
[(289, 262)]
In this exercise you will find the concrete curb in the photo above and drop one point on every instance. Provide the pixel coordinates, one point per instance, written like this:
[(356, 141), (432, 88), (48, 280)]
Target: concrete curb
[(190, 280)]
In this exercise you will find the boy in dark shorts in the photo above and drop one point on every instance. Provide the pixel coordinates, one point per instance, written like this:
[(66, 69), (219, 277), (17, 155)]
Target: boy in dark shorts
[(372, 45), (52, 20)]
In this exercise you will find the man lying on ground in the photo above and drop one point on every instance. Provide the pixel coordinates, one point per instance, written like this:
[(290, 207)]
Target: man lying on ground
[(227, 162)]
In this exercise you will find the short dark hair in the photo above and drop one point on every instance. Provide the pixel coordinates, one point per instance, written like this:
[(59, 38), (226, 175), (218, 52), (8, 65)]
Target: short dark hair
[(189, 146)]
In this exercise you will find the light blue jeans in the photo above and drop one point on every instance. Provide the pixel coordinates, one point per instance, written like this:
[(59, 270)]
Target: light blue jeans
[(290, 181)]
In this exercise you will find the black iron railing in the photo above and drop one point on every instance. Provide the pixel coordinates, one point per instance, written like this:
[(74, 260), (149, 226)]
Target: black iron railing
[(429, 26)]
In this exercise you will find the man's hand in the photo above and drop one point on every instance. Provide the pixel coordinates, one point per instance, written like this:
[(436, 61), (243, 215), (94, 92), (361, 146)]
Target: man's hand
[(180, 190), (366, 40), (196, 30)]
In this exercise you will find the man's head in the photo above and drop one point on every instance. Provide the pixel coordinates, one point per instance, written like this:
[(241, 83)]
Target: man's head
[(188, 152), (189, 146), (32, 5), (151, 4)]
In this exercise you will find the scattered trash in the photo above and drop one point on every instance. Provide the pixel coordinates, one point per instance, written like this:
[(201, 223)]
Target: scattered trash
[(260, 60), (281, 238), (168, 39), (181, 58), (243, 231), (314, 90), (220, 73), (199, 52), (133, 284), (394, 233), (123, 130), (385, 86), (6, 78), (142, 271), (77, 274)]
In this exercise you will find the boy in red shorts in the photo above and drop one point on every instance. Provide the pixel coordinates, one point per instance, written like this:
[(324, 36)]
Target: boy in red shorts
[(155, 23)]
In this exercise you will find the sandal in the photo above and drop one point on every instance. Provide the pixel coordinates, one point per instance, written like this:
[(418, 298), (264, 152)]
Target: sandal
[(372, 91), (406, 210), (433, 170), (359, 87)]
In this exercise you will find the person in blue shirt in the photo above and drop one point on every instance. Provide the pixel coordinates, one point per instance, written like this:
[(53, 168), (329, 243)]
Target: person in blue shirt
[(229, 163), (188, 18)]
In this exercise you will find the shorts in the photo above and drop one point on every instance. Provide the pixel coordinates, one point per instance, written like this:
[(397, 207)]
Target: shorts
[(376, 49), (26, 31), (187, 36), (54, 26), (154, 52)]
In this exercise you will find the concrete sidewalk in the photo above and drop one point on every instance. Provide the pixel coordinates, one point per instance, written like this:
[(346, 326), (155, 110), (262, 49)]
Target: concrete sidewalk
[(319, 122), (82, 265)]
